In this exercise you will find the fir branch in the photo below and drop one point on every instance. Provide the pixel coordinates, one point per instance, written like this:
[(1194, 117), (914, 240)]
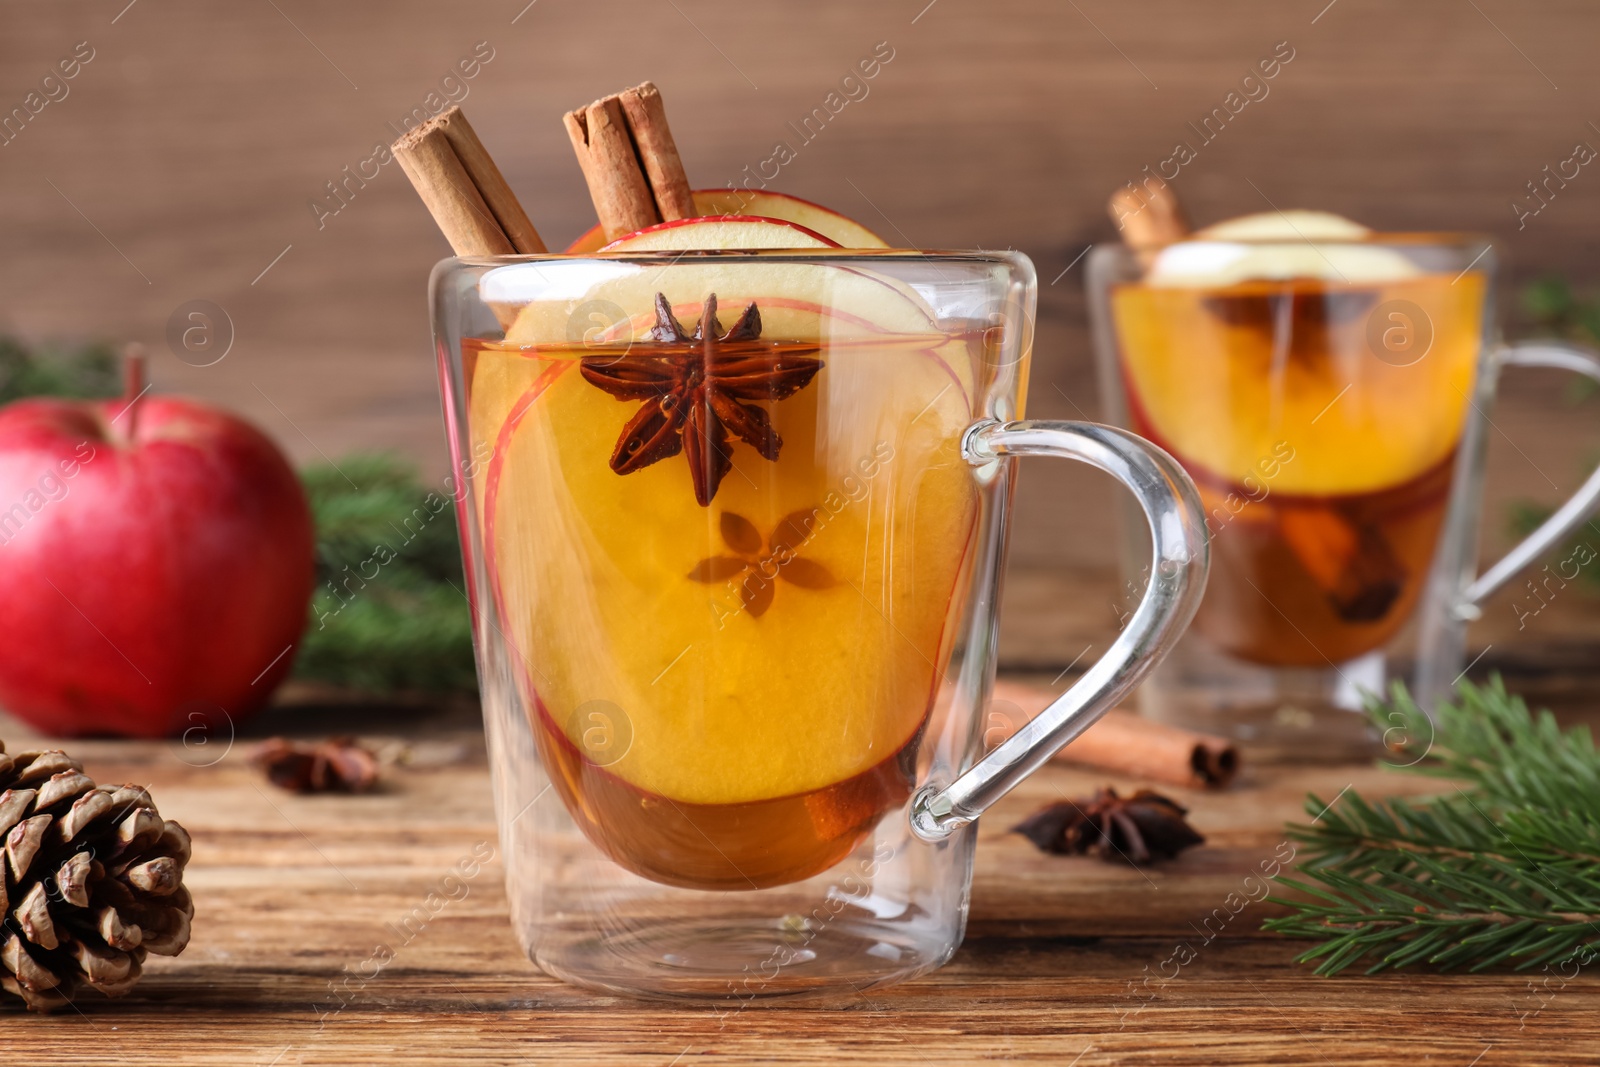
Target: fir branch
[(1578, 553), (389, 612), (1552, 308), (1504, 869), (84, 371)]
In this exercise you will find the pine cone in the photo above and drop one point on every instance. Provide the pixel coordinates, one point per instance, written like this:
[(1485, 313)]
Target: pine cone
[(93, 880)]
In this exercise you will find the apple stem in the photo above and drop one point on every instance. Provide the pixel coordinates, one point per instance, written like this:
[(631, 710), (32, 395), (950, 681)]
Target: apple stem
[(134, 362)]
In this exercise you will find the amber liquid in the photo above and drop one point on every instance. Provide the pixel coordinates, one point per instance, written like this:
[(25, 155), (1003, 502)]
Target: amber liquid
[(750, 845), (765, 720), (1323, 458), (1309, 580)]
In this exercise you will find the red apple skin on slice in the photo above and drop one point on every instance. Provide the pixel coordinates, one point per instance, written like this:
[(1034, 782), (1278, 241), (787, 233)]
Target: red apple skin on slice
[(843, 231), (847, 231), (725, 232), (712, 232)]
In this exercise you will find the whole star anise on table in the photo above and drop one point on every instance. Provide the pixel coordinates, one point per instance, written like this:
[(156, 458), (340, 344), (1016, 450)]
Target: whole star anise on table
[(698, 386), (1138, 829), (338, 765)]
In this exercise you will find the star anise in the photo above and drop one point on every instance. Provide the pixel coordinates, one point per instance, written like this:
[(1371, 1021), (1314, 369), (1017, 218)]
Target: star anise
[(697, 387), (762, 561), (1138, 829), (338, 765)]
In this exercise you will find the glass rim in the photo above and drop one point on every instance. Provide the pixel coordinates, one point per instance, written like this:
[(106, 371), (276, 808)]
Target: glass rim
[(1396, 239), (1004, 257)]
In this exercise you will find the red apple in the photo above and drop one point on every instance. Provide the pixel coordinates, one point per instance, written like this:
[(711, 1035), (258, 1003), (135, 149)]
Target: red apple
[(155, 565)]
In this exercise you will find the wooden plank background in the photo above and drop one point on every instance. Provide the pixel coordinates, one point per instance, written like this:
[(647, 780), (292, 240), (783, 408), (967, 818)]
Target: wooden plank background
[(184, 159)]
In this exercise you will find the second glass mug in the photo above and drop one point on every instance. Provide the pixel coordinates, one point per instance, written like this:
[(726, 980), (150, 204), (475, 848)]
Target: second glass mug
[(1330, 399), (735, 577)]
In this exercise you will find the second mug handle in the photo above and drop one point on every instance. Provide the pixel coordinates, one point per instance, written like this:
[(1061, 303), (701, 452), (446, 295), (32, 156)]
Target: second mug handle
[(1556, 356), (1180, 560)]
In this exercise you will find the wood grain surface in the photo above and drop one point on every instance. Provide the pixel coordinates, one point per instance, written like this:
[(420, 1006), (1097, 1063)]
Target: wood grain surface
[(1067, 960)]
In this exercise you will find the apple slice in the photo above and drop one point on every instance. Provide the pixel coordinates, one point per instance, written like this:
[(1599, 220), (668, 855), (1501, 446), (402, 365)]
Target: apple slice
[(847, 233), (1285, 226), (883, 420), (712, 232), (574, 303), (606, 592), (1230, 378), (1276, 245), (577, 301)]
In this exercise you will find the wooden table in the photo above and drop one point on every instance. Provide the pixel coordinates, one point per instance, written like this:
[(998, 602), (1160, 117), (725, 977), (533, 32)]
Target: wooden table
[(292, 891)]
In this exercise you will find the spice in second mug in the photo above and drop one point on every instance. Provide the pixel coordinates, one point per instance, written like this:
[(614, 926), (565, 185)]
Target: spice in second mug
[(1325, 469)]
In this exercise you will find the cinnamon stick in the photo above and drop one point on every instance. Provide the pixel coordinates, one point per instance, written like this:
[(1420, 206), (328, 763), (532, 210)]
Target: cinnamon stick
[(450, 194), (490, 183), (463, 189), (467, 196), (1149, 217), (663, 167), (1125, 743), (1348, 559), (629, 161)]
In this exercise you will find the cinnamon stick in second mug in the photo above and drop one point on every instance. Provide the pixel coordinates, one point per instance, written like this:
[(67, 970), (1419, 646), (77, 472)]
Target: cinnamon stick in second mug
[(1149, 218)]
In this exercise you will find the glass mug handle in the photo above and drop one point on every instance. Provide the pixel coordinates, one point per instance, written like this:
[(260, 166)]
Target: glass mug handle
[(1568, 516), (1180, 559)]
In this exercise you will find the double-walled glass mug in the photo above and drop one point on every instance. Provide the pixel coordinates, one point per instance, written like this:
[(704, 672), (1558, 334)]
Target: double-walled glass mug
[(734, 524), (1330, 400)]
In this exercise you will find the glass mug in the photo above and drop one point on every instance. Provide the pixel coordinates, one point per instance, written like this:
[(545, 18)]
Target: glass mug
[(735, 576), (1334, 419)]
